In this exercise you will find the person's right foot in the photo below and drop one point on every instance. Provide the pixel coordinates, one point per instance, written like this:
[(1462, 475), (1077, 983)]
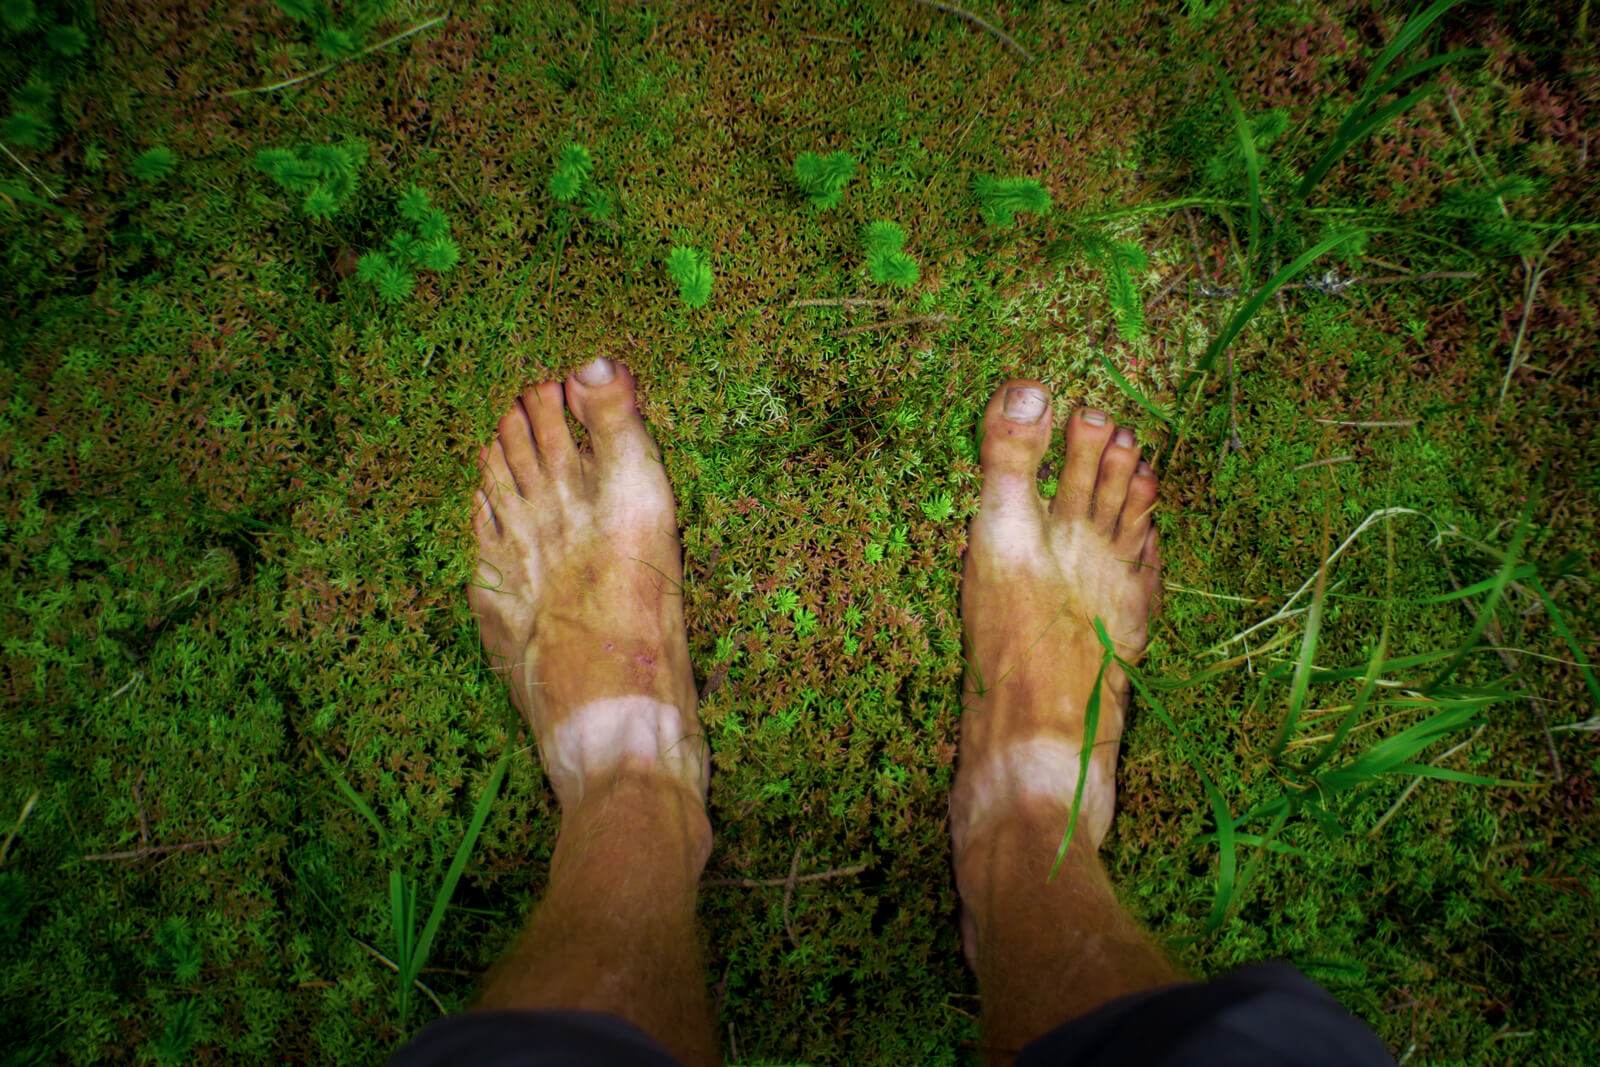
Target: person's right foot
[(1036, 576)]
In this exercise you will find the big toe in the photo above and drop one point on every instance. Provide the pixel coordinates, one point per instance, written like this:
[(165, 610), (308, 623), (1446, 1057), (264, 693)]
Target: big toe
[(629, 472), (1016, 434), (601, 394)]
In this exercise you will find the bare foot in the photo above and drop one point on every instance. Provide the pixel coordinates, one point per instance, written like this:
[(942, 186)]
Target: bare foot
[(579, 587), (1037, 575)]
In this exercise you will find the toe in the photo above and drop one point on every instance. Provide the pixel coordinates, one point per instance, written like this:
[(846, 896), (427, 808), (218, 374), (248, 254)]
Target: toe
[(1117, 465), (1150, 570), (1134, 521), (514, 440), (499, 489), (547, 419), (1087, 433), (485, 523), (1016, 433), (601, 394)]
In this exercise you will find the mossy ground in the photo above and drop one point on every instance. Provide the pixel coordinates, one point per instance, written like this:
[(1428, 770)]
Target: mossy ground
[(236, 532)]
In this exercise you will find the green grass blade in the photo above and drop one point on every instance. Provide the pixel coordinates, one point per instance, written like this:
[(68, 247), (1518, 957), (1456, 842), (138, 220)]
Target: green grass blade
[(1227, 858), (1427, 770), (1421, 67), (1222, 898), (1247, 311), (1091, 723), (1560, 623), (458, 865), (1355, 127), (400, 921), (1252, 167), (1302, 667), (1520, 574), (1357, 123), (1351, 717), (1496, 591), (1259, 841), (1413, 29), (353, 798), (1133, 394), (1399, 663), (1248, 877)]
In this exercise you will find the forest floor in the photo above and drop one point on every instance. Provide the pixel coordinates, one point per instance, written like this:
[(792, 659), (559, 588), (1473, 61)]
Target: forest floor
[(1346, 295)]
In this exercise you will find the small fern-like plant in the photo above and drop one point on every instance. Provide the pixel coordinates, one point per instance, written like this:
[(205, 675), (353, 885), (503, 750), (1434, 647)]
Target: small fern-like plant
[(341, 37), (29, 125), (1484, 223), (886, 263), (572, 182), (823, 178), (66, 40), (323, 176), (27, 129), (1000, 199), (425, 246), (1121, 262), (154, 165), (17, 15), (688, 267)]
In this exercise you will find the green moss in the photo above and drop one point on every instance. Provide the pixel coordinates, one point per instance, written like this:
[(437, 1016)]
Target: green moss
[(242, 529)]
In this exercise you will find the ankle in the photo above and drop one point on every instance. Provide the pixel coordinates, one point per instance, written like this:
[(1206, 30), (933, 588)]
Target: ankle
[(640, 811), (1025, 791)]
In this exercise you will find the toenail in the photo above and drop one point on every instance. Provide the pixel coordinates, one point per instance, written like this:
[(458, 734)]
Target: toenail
[(1095, 418), (1124, 437), (599, 372), (1024, 404), (1143, 468)]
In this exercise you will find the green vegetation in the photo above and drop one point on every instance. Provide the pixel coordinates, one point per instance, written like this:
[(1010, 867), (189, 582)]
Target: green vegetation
[(688, 267), (823, 178), (886, 263), (336, 36), (262, 799), (323, 176), (999, 199)]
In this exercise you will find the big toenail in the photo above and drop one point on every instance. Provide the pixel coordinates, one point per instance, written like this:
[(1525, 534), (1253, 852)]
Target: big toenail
[(1095, 418), (598, 372), (1124, 437), (1024, 404)]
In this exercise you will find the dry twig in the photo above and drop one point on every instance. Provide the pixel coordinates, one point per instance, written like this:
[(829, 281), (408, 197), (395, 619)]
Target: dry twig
[(323, 70), (910, 320), (144, 824), (767, 883), (839, 302), (788, 895), (976, 21), (387, 962), (154, 850), (29, 171), (1324, 462)]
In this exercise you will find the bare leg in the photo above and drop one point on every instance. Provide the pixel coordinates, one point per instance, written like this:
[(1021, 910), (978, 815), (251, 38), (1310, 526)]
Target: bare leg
[(579, 603), (1036, 576)]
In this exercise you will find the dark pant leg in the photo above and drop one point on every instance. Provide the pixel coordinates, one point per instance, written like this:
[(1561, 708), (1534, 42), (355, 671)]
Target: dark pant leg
[(532, 1039), (1261, 1015)]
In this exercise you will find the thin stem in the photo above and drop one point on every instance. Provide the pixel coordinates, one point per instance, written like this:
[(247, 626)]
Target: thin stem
[(976, 21), (29, 171), (338, 63)]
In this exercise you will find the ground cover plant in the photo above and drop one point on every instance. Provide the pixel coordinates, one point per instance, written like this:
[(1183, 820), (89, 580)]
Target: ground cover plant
[(273, 271)]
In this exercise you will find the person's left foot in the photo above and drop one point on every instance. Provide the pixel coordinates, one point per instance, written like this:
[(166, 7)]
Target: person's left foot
[(579, 586)]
